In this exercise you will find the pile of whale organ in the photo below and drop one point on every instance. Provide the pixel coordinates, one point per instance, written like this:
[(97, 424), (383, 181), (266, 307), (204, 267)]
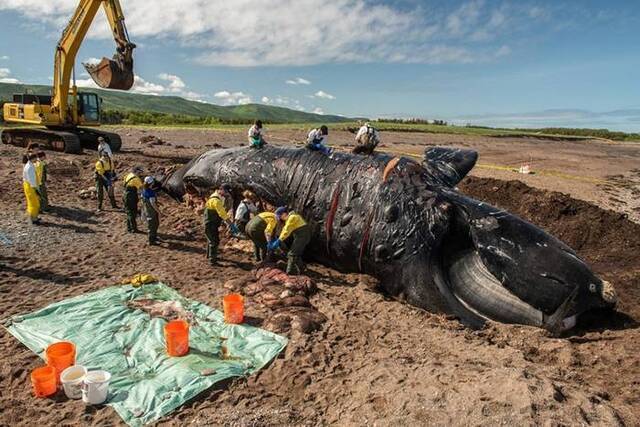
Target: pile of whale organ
[(405, 223)]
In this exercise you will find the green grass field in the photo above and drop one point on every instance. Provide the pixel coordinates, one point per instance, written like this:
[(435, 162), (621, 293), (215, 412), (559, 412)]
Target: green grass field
[(560, 134)]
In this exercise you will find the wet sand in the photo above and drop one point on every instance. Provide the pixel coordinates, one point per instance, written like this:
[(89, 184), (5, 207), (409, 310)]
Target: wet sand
[(374, 359)]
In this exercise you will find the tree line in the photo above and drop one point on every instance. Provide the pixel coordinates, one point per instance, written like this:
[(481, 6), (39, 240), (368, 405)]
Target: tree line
[(116, 117)]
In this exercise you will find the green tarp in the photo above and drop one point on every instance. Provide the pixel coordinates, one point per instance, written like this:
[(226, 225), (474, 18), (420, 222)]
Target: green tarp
[(147, 384)]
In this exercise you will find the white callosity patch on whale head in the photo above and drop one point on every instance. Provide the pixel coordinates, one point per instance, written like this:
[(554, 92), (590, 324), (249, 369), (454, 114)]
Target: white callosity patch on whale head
[(608, 292)]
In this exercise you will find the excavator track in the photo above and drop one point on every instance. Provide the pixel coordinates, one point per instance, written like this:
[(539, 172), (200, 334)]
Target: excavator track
[(89, 138), (55, 140), (67, 141)]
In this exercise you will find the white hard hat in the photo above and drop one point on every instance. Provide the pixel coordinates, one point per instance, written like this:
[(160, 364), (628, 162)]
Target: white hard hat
[(148, 180)]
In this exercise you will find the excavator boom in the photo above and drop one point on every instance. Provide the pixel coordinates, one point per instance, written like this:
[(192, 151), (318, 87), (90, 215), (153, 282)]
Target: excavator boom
[(115, 73)]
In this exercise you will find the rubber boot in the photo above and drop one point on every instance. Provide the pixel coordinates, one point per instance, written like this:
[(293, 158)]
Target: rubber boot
[(153, 225), (112, 197), (293, 266), (212, 255)]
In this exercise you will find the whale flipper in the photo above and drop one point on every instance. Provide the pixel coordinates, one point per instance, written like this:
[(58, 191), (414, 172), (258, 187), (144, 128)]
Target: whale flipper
[(449, 165)]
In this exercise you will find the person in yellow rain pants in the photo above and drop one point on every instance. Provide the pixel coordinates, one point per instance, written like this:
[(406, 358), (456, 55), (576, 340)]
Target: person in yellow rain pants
[(30, 187), (296, 228), (105, 176), (41, 178)]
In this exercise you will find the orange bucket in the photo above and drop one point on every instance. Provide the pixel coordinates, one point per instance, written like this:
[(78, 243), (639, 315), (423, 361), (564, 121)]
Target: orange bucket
[(176, 334), (44, 381), (233, 305), (61, 355)]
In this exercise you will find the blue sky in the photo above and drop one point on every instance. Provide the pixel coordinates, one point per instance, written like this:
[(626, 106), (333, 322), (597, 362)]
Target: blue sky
[(506, 63)]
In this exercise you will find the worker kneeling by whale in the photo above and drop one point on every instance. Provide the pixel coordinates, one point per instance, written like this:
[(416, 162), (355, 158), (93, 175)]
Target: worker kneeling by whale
[(404, 223)]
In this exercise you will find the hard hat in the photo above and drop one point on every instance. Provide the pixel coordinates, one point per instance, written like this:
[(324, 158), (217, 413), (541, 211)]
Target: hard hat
[(149, 180), (281, 210)]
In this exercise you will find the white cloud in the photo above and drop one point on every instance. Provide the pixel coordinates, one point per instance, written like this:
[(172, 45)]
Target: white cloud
[(88, 83), (231, 33), (92, 60), (4, 58), (233, 98), (324, 95), (140, 85), (318, 110), (176, 87), (284, 101), (504, 50), (5, 76), (298, 81), (464, 18), (537, 12), (176, 84)]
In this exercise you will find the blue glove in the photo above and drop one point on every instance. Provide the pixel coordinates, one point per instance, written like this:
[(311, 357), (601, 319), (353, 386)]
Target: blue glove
[(274, 245), (234, 229)]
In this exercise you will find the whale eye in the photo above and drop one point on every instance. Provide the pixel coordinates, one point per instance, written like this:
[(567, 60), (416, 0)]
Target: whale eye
[(593, 288)]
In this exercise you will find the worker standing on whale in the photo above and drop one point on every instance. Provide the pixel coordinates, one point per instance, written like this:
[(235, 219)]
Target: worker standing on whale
[(214, 214), (297, 228)]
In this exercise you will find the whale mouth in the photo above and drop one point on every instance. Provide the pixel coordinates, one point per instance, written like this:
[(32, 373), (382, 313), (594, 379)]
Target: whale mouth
[(475, 295)]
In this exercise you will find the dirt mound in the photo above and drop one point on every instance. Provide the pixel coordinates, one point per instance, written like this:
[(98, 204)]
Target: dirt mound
[(605, 239), (152, 140)]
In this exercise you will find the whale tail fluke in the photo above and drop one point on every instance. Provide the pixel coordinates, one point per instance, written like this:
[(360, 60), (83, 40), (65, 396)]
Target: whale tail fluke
[(449, 165)]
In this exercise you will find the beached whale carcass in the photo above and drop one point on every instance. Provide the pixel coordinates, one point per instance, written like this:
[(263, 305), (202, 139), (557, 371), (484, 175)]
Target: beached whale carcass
[(404, 223)]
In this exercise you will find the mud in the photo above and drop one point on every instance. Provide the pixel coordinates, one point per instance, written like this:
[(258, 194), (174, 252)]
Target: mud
[(372, 360)]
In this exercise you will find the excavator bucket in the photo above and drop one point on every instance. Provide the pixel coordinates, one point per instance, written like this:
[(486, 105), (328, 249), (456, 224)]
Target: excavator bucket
[(116, 73)]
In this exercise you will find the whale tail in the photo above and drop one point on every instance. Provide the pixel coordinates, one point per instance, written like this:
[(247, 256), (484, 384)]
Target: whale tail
[(449, 165)]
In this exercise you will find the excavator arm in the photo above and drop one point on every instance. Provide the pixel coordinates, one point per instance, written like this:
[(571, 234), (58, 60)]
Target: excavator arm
[(115, 73)]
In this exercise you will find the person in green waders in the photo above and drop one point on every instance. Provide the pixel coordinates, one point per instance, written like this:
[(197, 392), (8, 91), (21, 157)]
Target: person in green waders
[(42, 178), (132, 185), (105, 173), (214, 214), (151, 210), (261, 230), (296, 228)]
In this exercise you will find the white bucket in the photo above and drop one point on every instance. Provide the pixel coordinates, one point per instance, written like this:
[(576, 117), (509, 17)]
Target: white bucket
[(71, 379), (95, 387)]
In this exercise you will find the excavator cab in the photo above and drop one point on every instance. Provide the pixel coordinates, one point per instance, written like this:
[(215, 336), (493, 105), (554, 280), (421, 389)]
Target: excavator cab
[(89, 108)]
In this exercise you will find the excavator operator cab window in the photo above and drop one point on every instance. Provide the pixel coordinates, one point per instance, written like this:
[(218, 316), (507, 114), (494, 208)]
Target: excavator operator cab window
[(89, 106)]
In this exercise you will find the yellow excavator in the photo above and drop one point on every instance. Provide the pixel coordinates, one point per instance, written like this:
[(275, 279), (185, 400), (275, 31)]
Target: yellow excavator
[(64, 111)]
